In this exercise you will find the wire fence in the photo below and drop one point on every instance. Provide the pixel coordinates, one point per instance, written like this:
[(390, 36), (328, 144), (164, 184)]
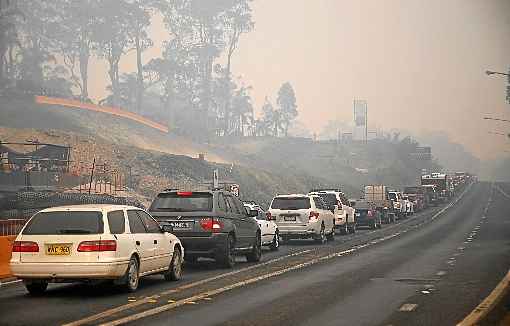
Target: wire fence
[(11, 227)]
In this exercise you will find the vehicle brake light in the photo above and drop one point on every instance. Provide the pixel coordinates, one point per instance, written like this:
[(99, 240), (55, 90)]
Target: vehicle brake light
[(25, 246), (97, 245), (314, 216), (269, 217), (184, 193), (211, 225)]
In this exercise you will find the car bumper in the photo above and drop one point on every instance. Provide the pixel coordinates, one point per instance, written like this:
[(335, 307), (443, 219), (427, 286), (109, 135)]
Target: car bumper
[(68, 270), (208, 246), (299, 231)]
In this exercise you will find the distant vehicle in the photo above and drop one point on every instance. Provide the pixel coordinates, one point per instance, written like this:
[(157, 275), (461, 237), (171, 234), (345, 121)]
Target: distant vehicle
[(442, 183), (90, 242), (417, 195), (368, 215), (302, 217), (399, 204), (409, 205), (268, 228), (432, 195), (212, 224), (345, 219), (379, 195)]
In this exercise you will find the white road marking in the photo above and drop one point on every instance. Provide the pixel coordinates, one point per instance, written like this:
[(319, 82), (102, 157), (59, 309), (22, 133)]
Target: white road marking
[(408, 307), (10, 282)]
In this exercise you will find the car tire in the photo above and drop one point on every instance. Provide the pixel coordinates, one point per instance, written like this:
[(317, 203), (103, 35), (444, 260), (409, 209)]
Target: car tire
[(344, 229), (352, 229), (321, 237), (132, 277), (275, 245), (227, 259), (36, 288), (256, 253), (174, 272), (379, 226)]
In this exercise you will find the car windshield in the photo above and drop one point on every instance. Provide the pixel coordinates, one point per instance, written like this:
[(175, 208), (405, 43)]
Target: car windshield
[(183, 202), (290, 203), (65, 222)]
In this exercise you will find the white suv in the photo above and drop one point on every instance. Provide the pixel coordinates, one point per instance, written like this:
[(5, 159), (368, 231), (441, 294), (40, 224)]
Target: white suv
[(90, 242), (302, 216), (345, 214), (268, 228)]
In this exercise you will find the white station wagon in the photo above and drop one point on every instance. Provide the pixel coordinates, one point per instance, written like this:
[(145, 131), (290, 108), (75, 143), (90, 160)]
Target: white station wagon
[(94, 242)]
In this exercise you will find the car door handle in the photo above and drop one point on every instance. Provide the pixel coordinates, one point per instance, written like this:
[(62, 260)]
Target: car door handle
[(155, 241), (137, 243)]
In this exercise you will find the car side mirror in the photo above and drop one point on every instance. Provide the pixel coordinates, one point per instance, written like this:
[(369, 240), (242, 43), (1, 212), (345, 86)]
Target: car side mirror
[(253, 213), (167, 228)]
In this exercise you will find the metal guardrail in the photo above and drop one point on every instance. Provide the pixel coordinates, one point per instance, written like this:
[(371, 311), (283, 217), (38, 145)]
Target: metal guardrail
[(11, 227)]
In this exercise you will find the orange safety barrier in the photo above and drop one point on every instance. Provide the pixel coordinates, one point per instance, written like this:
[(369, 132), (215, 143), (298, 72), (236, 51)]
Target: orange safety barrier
[(5, 255), (97, 108)]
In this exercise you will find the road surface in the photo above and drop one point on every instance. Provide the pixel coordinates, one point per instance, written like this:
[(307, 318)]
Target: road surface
[(430, 269)]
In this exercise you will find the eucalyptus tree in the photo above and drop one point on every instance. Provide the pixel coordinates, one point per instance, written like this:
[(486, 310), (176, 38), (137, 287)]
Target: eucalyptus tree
[(286, 101)]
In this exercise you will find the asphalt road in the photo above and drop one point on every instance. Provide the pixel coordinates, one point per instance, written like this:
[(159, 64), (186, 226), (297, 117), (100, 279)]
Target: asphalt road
[(438, 265)]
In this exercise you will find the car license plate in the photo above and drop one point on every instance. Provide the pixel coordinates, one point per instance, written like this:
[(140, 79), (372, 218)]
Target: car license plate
[(58, 249), (289, 218), (182, 225)]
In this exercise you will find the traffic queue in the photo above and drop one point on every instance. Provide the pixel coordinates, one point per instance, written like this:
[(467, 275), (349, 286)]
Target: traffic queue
[(120, 244)]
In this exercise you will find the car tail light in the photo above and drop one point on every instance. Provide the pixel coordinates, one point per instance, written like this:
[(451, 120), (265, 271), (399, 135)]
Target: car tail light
[(211, 225), (269, 217), (184, 193), (314, 217), (97, 245), (25, 246)]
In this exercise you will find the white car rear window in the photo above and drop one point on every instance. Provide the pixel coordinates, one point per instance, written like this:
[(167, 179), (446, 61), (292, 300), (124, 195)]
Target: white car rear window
[(65, 222), (290, 203)]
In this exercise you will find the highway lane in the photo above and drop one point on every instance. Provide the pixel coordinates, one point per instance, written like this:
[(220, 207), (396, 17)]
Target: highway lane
[(371, 285), (66, 303), (77, 300)]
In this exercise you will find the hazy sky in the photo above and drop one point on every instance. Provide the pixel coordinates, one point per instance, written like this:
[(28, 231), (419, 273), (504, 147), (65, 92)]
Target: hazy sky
[(419, 63)]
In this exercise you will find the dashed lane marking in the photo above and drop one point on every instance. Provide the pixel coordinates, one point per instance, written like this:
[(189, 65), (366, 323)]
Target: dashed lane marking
[(408, 307)]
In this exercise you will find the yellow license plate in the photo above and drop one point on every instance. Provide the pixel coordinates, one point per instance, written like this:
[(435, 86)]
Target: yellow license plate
[(58, 250)]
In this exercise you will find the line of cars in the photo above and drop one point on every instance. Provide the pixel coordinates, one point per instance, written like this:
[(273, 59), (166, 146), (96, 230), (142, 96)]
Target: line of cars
[(122, 243)]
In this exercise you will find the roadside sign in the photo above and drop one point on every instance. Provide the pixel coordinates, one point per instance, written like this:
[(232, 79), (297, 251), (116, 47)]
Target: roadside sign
[(235, 189)]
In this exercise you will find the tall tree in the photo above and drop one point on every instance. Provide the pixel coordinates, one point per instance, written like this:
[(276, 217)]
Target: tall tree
[(74, 34), (288, 108), (113, 39)]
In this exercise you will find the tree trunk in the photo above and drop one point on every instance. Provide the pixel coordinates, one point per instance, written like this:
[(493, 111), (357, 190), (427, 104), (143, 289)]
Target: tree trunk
[(84, 65), (139, 79)]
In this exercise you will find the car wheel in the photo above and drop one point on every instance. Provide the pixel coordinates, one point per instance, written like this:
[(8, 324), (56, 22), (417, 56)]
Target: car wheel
[(227, 258), (276, 242), (352, 229), (36, 288), (132, 276), (174, 272), (321, 237), (256, 253), (344, 229), (379, 226)]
